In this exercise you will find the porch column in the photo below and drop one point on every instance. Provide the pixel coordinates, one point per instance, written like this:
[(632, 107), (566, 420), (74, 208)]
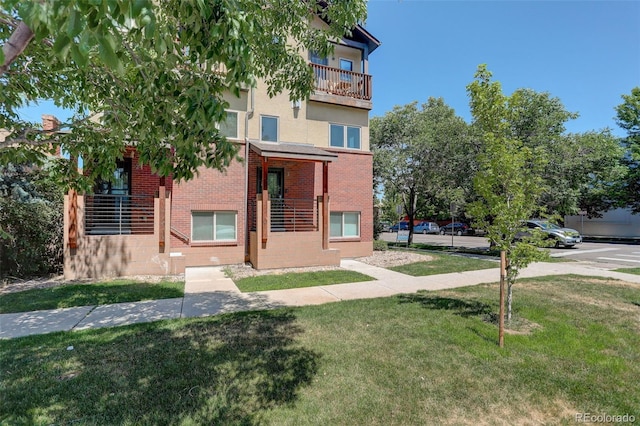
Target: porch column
[(73, 219), (325, 205), (161, 218), (265, 200)]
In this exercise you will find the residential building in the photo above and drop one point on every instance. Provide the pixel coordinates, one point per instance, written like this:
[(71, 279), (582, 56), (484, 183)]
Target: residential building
[(301, 196)]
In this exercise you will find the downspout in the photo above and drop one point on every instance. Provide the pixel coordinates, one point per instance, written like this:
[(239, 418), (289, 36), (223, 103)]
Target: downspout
[(248, 116)]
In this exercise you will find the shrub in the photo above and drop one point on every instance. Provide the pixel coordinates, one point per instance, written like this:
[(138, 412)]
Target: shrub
[(380, 245), (31, 222)]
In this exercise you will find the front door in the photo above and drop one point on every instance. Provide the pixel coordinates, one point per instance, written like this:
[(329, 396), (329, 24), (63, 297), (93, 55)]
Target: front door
[(112, 201), (275, 188)]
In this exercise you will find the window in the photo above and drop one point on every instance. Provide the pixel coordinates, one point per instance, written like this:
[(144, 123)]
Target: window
[(229, 127), (346, 65), (340, 134), (213, 226), (315, 58), (269, 128), (344, 224)]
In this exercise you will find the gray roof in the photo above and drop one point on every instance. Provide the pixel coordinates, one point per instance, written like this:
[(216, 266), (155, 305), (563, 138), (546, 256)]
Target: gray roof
[(292, 151)]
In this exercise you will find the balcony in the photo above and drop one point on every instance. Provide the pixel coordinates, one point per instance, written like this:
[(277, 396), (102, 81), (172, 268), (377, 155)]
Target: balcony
[(336, 86)]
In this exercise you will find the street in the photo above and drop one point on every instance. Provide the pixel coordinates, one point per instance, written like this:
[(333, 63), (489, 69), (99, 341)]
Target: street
[(606, 255)]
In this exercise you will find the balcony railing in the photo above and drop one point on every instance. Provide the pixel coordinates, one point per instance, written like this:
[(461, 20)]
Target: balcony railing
[(342, 83), (118, 214), (288, 215)]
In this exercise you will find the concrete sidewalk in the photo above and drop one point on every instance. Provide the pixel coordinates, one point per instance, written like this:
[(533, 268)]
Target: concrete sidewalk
[(208, 292)]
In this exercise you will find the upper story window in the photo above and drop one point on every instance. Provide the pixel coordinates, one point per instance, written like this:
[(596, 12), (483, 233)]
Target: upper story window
[(315, 58), (344, 136), (346, 65), (268, 128), (229, 127)]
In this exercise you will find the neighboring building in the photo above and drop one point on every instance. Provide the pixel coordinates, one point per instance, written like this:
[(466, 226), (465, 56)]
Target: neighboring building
[(618, 223), (301, 197)]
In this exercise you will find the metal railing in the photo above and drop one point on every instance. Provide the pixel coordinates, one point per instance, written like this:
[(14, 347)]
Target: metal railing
[(340, 82), (118, 214), (288, 215)]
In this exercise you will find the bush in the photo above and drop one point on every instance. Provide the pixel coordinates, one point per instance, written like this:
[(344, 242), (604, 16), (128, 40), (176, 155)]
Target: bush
[(380, 245), (31, 223)]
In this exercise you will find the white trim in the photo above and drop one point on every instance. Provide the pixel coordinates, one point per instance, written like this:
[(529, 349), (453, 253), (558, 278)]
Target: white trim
[(345, 136), (342, 214), (237, 136), (214, 219), (277, 126)]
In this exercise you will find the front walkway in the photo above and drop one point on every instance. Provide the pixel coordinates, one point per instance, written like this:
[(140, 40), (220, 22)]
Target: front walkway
[(208, 292)]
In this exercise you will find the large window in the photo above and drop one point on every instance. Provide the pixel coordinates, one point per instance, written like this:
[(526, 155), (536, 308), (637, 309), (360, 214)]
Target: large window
[(344, 224), (229, 127), (213, 226), (268, 128), (344, 136)]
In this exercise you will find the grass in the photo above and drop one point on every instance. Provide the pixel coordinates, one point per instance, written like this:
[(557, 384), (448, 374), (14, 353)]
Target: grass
[(629, 270), (444, 264), (100, 293), (299, 280), (425, 358)]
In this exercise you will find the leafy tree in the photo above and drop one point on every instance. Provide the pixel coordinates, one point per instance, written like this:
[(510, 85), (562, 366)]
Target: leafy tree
[(628, 117), (418, 153), (582, 169), (30, 222), (155, 72), (509, 180)]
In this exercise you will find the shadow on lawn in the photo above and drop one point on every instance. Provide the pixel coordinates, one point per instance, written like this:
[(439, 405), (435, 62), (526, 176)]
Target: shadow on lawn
[(460, 307), (226, 370)]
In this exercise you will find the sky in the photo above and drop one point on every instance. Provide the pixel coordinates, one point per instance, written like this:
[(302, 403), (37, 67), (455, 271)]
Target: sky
[(587, 53)]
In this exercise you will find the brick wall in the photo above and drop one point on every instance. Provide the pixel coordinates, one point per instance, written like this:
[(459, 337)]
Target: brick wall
[(211, 190), (351, 190), (143, 180)]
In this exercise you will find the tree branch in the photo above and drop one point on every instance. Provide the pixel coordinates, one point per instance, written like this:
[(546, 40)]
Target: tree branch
[(16, 44)]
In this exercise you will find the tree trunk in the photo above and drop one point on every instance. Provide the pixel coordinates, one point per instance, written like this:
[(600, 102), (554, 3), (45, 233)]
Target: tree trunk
[(16, 44)]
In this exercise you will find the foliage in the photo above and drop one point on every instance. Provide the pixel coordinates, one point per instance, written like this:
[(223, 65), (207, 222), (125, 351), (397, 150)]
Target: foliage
[(30, 222), (509, 180), (418, 153), (380, 245), (582, 169), (628, 117), (155, 73)]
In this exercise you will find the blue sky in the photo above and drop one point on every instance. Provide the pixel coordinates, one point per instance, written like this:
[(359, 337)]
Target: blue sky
[(587, 53)]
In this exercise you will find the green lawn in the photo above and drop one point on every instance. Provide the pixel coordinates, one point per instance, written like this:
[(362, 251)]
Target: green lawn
[(99, 293), (629, 270), (299, 280), (426, 358), (444, 264)]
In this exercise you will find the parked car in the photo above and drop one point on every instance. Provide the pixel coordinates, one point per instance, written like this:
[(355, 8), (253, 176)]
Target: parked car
[(457, 228), (426, 228), (402, 226), (566, 237), (385, 226)]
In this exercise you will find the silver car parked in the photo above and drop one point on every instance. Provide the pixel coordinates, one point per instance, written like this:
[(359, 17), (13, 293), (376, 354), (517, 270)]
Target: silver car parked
[(566, 237)]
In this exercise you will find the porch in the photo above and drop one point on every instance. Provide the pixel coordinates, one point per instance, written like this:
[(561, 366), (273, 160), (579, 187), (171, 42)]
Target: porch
[(288, 206), (107, 235)]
